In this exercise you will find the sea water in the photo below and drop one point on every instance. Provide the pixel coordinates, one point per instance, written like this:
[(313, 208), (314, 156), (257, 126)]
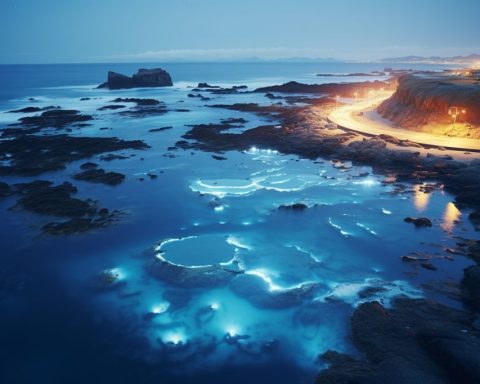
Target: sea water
[(302, 271)]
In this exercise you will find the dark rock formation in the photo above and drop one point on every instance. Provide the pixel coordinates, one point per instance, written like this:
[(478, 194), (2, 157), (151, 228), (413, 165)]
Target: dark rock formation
[(342, 89), (33, 155), (160, 129), (143, 78), (88, 165), (138, 101), (144, 107), (471, 286), (422, 100), (5, 190), (56, 118), (42, 198), (417, 341), (419, 221), (206, 85), (34, 109), (100, 176), (111, 107), (293, 207)]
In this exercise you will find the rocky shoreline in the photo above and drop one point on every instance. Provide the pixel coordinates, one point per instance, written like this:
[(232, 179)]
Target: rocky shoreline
[(413, 341)]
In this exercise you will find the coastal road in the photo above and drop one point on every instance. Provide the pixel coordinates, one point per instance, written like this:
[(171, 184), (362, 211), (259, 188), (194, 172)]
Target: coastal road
[(362, 117)]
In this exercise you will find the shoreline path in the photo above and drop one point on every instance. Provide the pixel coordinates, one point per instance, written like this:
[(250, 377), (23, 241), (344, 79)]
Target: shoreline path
[(361, 117)]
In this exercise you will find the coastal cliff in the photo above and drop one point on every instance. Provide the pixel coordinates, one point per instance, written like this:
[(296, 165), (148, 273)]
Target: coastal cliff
[(424, 100)]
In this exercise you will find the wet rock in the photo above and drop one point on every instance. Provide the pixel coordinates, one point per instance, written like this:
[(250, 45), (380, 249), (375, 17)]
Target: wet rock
[(5, 190), (414, 341), (143, 78), (216, 157), (111, 107), (34, 109), (342, 89), (429, 266), (112, 156), (206, 85), (419, 222), (187, 277), (56, 118), (161, 129), (43, 198), (293, 207), (33, 155), (475, 218), (413, 259), (371, 291), (138, 101), (88, 165), (198, 95), (471, 286), (79, 225), (100, 176), (234, 120)]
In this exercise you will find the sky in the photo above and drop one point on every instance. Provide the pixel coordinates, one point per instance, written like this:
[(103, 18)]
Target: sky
[(62, 31)]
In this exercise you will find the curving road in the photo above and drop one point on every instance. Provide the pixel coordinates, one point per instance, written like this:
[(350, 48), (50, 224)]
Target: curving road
[(361, 117)]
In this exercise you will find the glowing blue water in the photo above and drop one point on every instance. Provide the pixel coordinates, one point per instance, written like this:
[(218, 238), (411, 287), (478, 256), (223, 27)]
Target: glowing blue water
[(302, 270)]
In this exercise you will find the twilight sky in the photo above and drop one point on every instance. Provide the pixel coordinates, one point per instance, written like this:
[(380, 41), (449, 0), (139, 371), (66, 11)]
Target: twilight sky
[(57, 31)]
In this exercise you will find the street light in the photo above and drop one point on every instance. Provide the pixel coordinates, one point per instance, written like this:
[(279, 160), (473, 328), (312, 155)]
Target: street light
[(455, 112), (356, 95), (336, 100)]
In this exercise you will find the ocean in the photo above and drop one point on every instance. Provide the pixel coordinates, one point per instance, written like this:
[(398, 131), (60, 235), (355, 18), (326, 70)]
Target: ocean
[(304, 272)]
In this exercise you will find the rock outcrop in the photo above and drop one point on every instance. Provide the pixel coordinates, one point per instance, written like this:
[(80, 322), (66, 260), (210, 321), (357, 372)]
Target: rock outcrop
[(342, 89), (422, 100), (416, 341), (143, 78)]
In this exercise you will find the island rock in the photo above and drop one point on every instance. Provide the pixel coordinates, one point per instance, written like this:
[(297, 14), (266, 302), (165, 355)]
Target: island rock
[(143, 78)]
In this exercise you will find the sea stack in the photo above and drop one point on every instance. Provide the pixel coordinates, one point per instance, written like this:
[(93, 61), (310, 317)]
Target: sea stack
[(156, 77)]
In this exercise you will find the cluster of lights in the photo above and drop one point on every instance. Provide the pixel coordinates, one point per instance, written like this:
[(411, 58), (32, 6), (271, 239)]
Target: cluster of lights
[(455, 112)]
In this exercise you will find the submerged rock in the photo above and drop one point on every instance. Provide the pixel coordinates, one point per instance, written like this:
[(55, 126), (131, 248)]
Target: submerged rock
[(100, 176), (143, 78), (293, 207), (419, 221)]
